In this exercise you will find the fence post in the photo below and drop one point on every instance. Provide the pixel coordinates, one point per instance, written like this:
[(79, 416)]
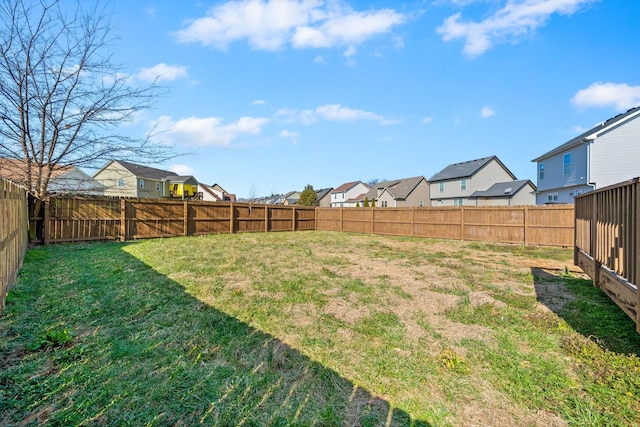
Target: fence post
[(232, 218), (266, 218), (294, 218), (373, 220), (413, 220), (185, 212), (525, 225), (341, 218), (635, 219), (461, 222), (123, 220), (594, 240), (45, 222)]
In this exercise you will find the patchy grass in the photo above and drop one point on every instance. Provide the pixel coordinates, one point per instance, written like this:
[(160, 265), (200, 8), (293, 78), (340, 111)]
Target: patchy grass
[(312, 328)]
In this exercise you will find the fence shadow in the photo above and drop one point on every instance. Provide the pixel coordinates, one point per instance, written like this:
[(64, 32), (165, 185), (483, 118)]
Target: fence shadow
[(587, 309), (145, 352)]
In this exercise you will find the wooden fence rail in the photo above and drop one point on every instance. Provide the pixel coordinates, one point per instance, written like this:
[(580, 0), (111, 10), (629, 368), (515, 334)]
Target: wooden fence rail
[(607, 223), (14, 228), (527, 225), (68, 219), (72, 219)]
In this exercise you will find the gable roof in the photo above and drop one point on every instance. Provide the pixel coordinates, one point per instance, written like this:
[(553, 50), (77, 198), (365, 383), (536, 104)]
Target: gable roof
[(399, 188), (141, 171), (593, 133), (503, 189), (323, 193), (348, 186), (466, 169), (15, 170)]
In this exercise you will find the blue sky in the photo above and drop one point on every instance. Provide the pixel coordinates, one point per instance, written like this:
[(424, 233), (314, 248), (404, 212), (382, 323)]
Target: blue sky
[(268, 96)]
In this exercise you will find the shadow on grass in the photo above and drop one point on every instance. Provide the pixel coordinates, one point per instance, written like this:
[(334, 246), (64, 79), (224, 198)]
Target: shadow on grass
[(587, 309), (144, 352)]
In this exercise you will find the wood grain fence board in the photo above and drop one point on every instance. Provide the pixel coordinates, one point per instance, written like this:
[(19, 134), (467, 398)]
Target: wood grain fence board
[(606, 242), (14, 227)]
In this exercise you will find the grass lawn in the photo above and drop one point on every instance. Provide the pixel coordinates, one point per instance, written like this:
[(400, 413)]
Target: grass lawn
[(313, 328)]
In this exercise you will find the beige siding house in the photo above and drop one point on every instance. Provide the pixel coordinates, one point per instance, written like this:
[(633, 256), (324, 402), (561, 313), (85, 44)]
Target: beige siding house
[(456, 184), (128, 179), (400, 192), (511, 193)]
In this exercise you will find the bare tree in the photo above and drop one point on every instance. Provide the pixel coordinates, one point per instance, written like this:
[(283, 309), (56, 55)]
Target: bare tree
[(62, 97)]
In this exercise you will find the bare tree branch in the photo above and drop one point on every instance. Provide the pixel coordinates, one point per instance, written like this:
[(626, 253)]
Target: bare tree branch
[(62, 98)]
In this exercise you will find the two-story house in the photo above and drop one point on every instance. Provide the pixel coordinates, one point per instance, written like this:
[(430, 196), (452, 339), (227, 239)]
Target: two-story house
[(324, 197), (456, 184), (128, 179), (63, 179), (349, 190), (607, 154), (214, 193), (400, 192)]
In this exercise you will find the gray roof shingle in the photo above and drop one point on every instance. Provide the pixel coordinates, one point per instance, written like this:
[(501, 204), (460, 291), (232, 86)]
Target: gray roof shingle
[(146, 171), (503, 189), (398, 188), (464, 169), (580, 139)]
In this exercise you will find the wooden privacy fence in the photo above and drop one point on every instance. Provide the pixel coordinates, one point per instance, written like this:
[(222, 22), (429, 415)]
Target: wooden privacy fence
[(607, 239), (72, 219), (527, 225), (14, 228)]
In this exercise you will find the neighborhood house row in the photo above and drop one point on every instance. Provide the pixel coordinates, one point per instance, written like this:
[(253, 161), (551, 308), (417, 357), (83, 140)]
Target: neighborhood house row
[(604, 155)]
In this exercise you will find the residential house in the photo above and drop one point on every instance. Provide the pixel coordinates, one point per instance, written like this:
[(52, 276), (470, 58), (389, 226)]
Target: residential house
[(400, 192), (357, 201), (606, 154), (215, 193), (510, 193), (350, 190), (455, 184), (63, 179), (324, 197), (132, 180)]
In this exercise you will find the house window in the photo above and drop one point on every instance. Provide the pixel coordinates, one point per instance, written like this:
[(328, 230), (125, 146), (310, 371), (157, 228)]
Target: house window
[(157, 186), (421, 203), (566, 161), (384, 203), (442, 187), (457, 202), (552, 198), (577, 193), (541, 171), (121, 183), (463, 184), (142, 183)]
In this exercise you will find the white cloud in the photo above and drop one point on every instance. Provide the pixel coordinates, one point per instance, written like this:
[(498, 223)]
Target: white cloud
[(273, 24), (426, 120), (349, 52), (487, 112), (338, 113), (620, 96), (319, 60), (162, 72), (516, 19), (258, 102), (182, 170), (293, 136), (208, 131), (331, 113)]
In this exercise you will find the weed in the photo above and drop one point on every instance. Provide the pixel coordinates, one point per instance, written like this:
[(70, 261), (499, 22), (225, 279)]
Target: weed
[(52, 338)]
